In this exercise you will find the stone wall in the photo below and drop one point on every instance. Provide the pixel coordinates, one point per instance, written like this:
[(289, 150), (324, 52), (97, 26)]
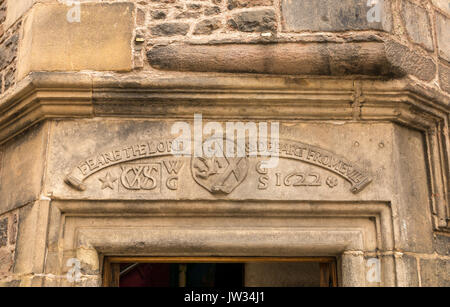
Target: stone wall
[(8, 236), (418, 29), (224, 48), (9, 40)]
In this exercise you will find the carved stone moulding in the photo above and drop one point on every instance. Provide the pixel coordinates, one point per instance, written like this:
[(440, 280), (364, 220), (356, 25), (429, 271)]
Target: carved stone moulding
[(166, 228), (44, 96)]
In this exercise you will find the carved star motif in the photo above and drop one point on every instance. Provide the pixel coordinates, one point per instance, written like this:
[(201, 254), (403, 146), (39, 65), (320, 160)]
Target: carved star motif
[(108, 181)]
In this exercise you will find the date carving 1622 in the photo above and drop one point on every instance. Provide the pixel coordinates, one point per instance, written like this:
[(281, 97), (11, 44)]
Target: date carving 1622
[(292, 179)]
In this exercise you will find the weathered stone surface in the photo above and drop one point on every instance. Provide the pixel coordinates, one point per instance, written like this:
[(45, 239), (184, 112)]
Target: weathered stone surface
[(189, 15), (2, 12), (9, 79), (434, 272), (314, 59), (170, 29), (10, 283), (443, 36), (442, 245), (232, 4), (388, 59), (164, 1), (408, 271), (24, 248), (407, 61), (212, 10), (211, 239), (417, 24), (6, 261), (140, 17), (22, 170), (444, 77), (108, 39), (207, 26), (13, 229), (3, 232), (16, 9), (254, 21), (8, 51), (110, 182), (415, 232), (194, 6), (334, 15), (442, 4), (158, 14), (324, 217), (85, 156)]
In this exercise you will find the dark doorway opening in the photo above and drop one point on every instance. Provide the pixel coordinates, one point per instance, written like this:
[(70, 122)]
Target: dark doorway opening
[(224, 275), (216, 272)]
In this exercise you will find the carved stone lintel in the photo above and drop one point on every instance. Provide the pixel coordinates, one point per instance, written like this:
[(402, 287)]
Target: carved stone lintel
[(216, 174)]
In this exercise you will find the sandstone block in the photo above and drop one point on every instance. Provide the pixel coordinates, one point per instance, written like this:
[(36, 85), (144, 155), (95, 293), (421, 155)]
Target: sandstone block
[(407, 270), (55, 39), (442, 245), (158, 14), (335, 15), (16, 9), (389, 59), (190, 14), (233, 4), (207, 26), (442, 4), (22, 169), (8, 51), (212, 10), (170, 29), (444, 77), (3, 232), (9, 79), (2, 12), (434, 272), (409, 62), (443, 36), (254, 21), (417, 24), (6, 261)]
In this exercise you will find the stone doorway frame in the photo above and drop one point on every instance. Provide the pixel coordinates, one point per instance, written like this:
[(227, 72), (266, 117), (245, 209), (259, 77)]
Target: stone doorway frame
[(89, 231)]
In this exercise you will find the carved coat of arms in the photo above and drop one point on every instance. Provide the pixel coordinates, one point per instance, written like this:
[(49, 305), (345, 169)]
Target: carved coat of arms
[(219, 174)]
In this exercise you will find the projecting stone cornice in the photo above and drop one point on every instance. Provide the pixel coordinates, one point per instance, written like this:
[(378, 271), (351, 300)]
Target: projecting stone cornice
[(44, 95)]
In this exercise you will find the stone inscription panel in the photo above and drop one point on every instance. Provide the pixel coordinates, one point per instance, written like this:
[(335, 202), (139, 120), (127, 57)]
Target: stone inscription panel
[(135, 160)]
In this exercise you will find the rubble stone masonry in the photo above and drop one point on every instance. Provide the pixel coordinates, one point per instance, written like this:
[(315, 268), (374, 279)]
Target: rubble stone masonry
[(413, 27)]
